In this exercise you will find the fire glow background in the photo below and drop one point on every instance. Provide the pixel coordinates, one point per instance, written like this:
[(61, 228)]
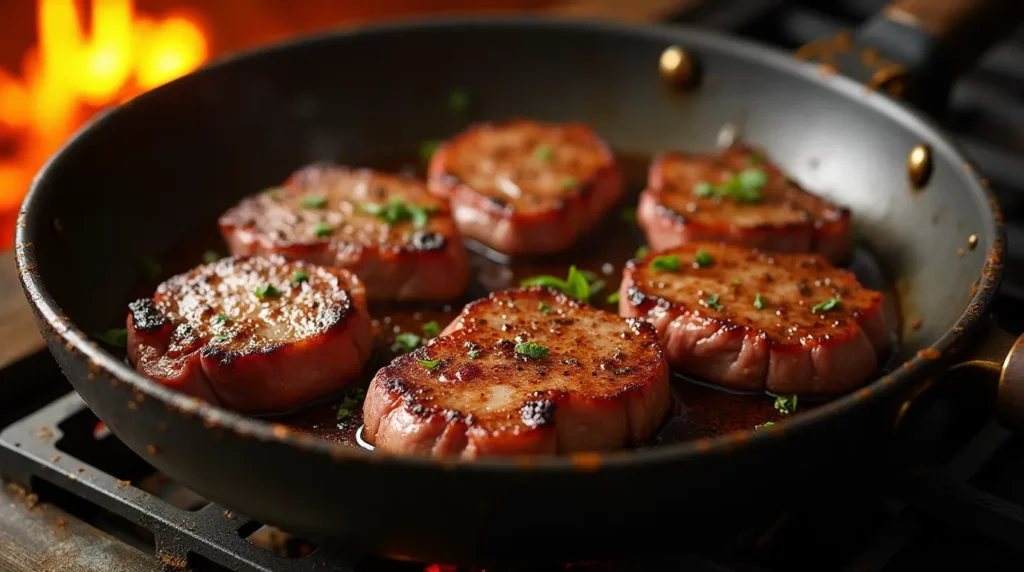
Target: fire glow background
[(61, 61)]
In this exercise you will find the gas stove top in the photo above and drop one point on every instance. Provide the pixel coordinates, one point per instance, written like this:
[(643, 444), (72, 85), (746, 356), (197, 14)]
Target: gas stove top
[(946, 495)]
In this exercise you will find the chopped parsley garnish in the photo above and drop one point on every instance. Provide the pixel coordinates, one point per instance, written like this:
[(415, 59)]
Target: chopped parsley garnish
[(398, 210), (765, 425), (352, 401), (830, 304), (532, 350), (712, 302), (544, 152), (273, 193), (209, 257), (759, 301), (431, 329), (299, 276), (744, 186), (221, 338), (314, 202), (322, 229), (473, 354), (629, 215), (116, 337), (570, 183), (407, 341), (576, 283), (703, 259), (221, 319), (152, 269), (786, 404), (755, 158), (544, 308), (267, 291), (736, 282), (594, 281), (641, 252), (428, 148), (613, 298), (666, 263), (429, 363), (458, 100)]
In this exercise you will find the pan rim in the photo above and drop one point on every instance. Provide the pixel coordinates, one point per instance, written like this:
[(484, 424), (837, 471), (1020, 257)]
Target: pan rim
[(115, 370)]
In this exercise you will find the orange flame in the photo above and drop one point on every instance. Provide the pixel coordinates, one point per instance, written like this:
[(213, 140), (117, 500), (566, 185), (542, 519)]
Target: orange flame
[(72, 73)]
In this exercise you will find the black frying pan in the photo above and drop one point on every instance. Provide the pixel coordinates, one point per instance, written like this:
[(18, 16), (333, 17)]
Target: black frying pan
[(155, 173)]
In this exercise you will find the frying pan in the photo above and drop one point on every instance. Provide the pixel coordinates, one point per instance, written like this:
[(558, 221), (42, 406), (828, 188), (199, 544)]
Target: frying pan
[(149, 174)]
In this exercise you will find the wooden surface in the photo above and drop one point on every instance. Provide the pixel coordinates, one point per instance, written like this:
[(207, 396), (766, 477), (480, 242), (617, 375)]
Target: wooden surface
[(19, 336), (35, 536)]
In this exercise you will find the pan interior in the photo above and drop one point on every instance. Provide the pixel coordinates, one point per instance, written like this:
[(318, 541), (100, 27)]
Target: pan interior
[(149, 180)]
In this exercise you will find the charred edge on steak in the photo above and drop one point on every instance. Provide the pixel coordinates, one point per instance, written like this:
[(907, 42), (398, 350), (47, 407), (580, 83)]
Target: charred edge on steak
[(428, 241), (538, 413), (145, 316)]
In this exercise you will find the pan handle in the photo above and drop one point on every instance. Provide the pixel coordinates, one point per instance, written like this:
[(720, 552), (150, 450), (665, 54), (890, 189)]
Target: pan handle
[(915, 49), (998, 357)]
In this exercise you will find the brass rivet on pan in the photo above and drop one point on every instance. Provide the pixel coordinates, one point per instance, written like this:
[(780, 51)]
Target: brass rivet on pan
[(919, 165), (676, 66), (972, 241)]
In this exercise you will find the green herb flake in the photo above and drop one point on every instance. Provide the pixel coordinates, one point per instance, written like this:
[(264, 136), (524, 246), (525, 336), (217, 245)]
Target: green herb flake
[(755, 158), (151, 268), (613, 298), (407, 341), (116, 337), (428, 148), (353, 400), (431, 329), (765, 425), (703, 189), (458, 100), (703, 259), (221, 319), (322, 229), (786, 404), (429, 363), (827, 305), (221, 338), (544, 308), (666, 263), (736, 282), (299, 276), (544, 152), (314, 202), (532, 350), (570, 183), (629, 215), (759, 302), (473, 354), (713, 303), (576, 283), (209, 257), (398, 210), (267, 291), (273, 193), (641, 252)]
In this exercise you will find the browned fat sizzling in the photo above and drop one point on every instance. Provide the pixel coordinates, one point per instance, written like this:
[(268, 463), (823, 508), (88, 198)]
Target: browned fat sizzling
[(293, 215), (524, 166), (674, 176), (725, 291), (218, 305), (593, 357)]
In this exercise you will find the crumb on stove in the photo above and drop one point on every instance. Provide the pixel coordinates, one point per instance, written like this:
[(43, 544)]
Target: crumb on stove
[(54, 458), (916, 324), (151, 449), (61, 523), (44, 433), (121, 483)]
